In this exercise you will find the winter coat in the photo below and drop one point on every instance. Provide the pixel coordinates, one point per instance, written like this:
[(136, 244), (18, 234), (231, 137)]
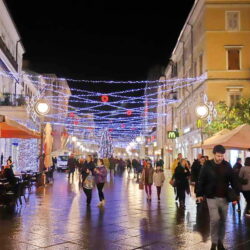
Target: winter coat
[(87, 165), (101, 176), (158, 178), (208, 179), (174, 165), (181, 175), (195, 170), (150, 176), (245, 174), (71, 164)]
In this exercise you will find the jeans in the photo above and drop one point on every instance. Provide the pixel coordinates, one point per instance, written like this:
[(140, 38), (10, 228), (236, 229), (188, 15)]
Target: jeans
[(181, 194), (100, 192), (148, 189), (158, 191), (218, 213), (88, 193)]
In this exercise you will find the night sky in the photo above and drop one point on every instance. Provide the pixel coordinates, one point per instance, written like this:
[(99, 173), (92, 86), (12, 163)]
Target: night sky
[(83, 40)]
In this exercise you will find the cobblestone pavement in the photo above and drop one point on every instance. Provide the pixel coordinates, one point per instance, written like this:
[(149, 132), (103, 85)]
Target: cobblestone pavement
[(56, 217)]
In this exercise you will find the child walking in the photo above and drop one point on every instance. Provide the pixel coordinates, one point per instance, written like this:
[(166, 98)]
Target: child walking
[(159, 179)]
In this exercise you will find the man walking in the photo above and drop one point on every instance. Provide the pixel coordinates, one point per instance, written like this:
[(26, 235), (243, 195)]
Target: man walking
[(71, 165), (213, 183)]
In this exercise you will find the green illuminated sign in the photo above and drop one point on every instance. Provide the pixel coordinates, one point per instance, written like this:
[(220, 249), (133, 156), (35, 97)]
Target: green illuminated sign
[(173, 134)]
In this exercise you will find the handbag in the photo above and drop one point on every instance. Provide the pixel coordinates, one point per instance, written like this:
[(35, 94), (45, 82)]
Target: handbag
[(231, 195), (141, 186), (172, 182)]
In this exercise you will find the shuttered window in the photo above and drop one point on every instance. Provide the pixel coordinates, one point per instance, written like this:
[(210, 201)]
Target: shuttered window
[(233, 59)]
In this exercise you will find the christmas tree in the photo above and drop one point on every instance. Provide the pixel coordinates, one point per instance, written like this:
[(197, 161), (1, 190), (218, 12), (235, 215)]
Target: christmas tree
[(106, 148)]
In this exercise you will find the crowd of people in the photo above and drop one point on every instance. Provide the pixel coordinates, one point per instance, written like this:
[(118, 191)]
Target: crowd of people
[(213, 181), (216, 183)]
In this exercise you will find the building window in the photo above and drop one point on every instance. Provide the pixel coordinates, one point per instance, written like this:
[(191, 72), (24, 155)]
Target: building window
[(174, 70), (234, 98), (234, 94), (200, 64), (232, 20), (233, 59)]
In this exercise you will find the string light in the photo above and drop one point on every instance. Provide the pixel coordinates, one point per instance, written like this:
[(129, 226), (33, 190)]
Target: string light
[(125, 123)]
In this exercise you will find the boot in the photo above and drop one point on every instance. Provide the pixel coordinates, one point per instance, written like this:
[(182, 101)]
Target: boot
[(213, 247), (220, 245)]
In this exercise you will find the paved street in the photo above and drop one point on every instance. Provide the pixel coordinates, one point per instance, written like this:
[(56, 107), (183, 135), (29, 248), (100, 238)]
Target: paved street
[(56, 217)]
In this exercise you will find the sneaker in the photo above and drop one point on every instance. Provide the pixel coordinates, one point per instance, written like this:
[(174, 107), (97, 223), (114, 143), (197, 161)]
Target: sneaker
[(213, 247)]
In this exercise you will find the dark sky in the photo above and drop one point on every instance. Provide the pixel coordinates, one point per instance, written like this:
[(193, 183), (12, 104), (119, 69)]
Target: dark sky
[(77, 39)]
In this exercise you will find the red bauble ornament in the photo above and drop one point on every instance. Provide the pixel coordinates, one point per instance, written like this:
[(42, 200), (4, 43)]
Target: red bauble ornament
[(71, 114), (122, 125), (76, 122), (129, 112), (105, 98)]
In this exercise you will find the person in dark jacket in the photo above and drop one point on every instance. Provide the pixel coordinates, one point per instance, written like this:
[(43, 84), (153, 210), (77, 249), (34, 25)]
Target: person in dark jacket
[(236, 169), (214, 180), (195, 171), (71, 165), (181, 175), (88, 169), (9, 174)]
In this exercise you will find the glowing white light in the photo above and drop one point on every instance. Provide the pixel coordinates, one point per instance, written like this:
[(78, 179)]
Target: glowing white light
[(202, 111), (42, 107), (74, 139), (138, 139)]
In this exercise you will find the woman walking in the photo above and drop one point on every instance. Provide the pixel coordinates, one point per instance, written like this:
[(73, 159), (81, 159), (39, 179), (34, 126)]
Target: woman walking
[(100, 173), (244, 175), (181, 176), (159, 179), (147, 179), (87, 178)]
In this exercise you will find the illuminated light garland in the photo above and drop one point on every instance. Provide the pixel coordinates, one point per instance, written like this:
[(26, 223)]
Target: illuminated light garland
[(32, 76), (121, 127)]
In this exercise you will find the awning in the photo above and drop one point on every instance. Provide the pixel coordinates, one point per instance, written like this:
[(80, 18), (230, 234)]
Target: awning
[(238, 138), (212, 140), (13, 129)]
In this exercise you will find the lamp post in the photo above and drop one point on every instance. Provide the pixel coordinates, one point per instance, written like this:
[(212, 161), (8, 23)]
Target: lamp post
[(41, 108), (202, 111)]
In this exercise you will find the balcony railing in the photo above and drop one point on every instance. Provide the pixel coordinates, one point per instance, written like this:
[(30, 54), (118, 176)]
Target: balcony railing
[(7, 99)]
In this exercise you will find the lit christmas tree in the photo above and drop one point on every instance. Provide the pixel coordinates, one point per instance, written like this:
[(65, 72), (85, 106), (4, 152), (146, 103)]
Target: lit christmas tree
[(106, 148)]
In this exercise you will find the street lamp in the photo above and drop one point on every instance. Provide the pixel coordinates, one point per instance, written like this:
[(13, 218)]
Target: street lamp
[(202, 111), (41, 108)]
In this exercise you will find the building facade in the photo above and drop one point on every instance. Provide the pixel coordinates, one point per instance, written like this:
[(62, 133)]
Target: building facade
[(214, 45)]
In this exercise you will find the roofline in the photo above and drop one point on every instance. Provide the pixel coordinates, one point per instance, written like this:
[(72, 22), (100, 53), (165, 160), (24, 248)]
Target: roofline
[(12, 20), (184, 27)]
